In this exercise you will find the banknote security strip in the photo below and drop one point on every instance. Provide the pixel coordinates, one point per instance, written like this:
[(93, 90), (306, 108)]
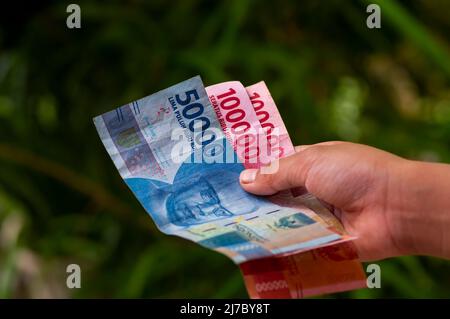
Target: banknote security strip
[(172, 150)]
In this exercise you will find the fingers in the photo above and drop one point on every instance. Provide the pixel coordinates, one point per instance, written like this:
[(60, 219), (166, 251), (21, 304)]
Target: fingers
[(300, 148), (292, 172)]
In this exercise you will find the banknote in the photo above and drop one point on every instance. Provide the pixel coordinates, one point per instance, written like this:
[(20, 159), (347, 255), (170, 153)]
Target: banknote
[(238, 120), (270, 119), (320, 271), (329, 269), (172, 152)]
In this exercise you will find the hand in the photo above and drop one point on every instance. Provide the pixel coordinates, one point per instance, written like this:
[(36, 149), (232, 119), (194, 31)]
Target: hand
[(394, 206)]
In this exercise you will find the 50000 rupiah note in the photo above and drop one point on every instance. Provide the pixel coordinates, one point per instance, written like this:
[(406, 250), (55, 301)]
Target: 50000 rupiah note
[(170, 150)]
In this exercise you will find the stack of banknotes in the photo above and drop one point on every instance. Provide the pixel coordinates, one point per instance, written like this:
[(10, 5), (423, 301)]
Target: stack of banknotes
[(181, 151)]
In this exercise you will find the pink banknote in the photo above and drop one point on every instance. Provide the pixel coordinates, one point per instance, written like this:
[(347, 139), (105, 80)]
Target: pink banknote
[(237, 119), (270, 119)]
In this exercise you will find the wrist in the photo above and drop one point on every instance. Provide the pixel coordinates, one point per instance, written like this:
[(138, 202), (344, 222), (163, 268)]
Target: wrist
[(420, 208)]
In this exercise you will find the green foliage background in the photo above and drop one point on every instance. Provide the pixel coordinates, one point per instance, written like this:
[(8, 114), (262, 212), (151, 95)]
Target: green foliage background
[(62, 200)]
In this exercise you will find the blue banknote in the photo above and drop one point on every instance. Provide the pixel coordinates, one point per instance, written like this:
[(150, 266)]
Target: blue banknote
[(170, 150)]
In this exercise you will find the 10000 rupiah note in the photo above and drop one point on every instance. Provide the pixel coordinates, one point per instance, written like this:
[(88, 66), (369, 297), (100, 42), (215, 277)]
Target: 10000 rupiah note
[(171, 151)]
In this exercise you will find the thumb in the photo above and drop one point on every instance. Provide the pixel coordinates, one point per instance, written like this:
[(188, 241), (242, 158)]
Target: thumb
[(292, 172)]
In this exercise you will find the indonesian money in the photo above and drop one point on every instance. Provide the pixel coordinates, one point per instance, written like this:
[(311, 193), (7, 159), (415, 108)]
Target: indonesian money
[(180, 159), (234, 110), (320, 271), (172, 153)]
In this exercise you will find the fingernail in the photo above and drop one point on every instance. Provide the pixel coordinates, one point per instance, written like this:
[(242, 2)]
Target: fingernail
[(248, 176)]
